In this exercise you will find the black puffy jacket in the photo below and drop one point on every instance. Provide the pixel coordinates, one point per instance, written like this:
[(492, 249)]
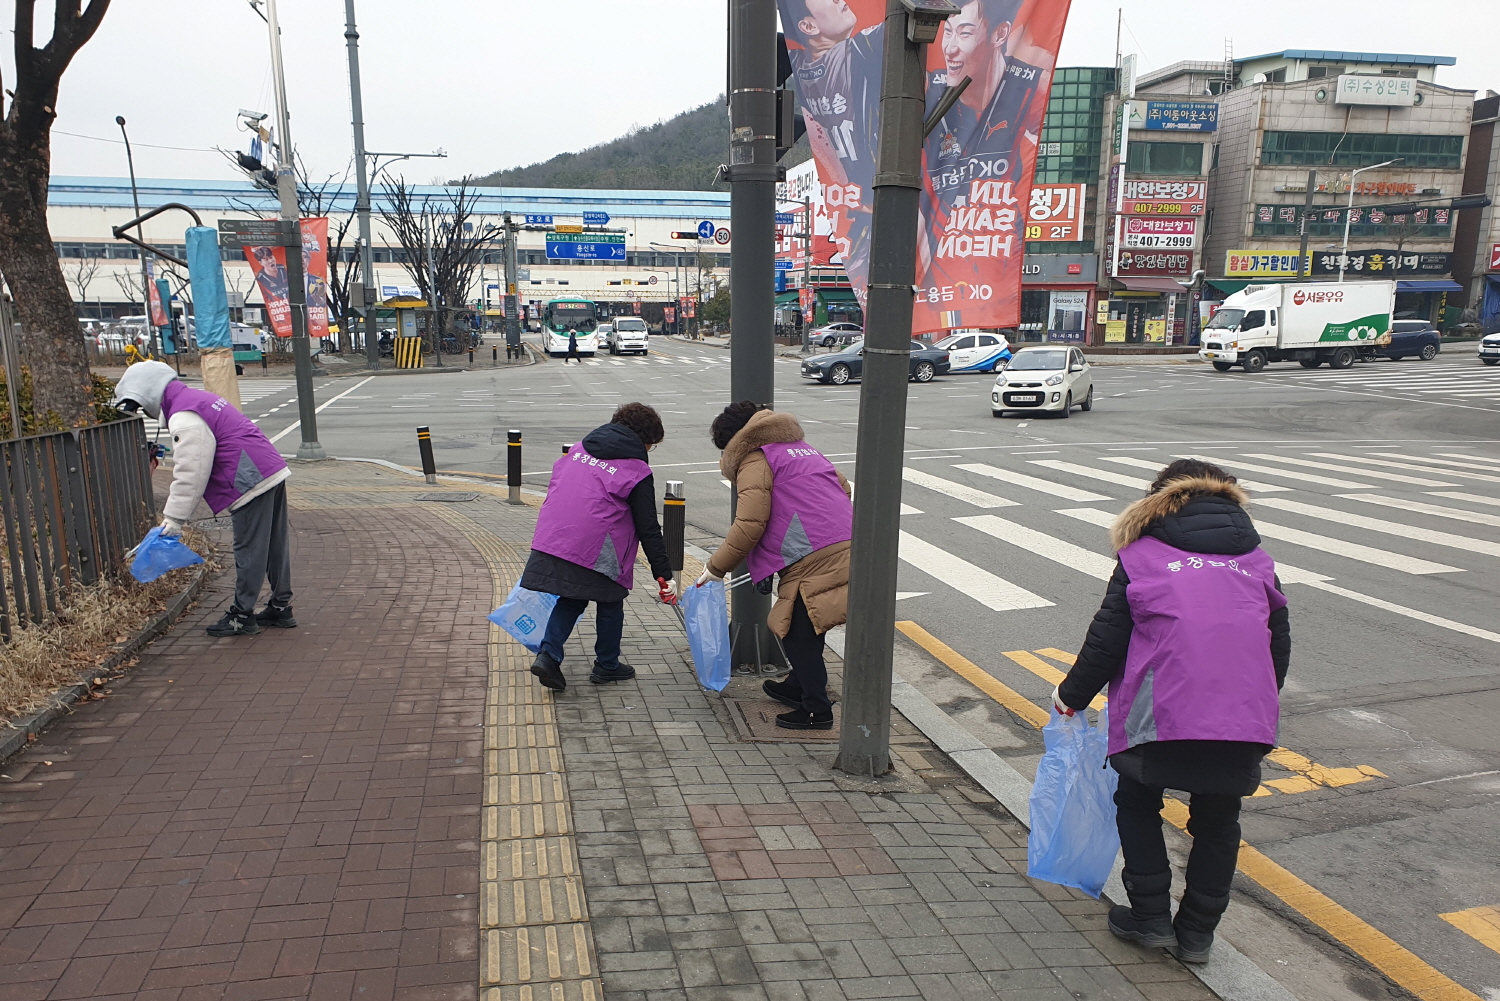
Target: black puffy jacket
[(1199, 516)]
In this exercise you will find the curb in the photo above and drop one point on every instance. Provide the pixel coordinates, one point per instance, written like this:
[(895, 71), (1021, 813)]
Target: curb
[(435, 370), (23, 728)]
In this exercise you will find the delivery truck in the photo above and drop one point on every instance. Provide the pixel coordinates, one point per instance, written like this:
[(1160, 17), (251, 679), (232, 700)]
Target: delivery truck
[(1306, 322)]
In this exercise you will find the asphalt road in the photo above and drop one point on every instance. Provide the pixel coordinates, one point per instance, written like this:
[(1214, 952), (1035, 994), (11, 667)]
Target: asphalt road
[(1377, 488)]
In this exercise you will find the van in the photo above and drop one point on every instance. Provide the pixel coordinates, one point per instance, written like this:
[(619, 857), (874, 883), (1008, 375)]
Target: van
[(628, 335)]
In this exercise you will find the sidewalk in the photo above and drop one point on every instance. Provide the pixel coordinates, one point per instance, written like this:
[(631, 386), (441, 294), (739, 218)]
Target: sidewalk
[(333, 812)]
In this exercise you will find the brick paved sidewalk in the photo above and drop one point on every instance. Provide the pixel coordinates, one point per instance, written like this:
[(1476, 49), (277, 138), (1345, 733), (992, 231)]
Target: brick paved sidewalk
[(384, 804)]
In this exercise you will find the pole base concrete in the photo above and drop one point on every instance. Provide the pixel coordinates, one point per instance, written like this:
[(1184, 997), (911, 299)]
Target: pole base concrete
[(219, 378), (310, 451)]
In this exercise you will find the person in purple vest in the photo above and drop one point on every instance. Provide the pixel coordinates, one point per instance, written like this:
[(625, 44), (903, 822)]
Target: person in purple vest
[(220, 457), (600, 504), (793, 517), (1193, 640)]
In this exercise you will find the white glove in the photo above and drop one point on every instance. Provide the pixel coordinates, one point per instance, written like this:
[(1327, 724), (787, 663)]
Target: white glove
[(667, 587), (708, 575), (1059, 705), (170, 528)]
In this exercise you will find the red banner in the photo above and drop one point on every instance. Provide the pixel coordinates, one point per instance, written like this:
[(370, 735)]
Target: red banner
[(269, 267), (158, 312), (978, 162)]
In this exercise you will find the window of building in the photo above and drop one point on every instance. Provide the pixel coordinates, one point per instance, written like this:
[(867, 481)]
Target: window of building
[(1322, 72), (1276, 76), (1406, 73), (1362, 149), (1164, 158), (1371, 222)]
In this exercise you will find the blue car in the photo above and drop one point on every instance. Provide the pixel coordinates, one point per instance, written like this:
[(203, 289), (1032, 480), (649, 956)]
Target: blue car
[(976, 351), (1412, 339)]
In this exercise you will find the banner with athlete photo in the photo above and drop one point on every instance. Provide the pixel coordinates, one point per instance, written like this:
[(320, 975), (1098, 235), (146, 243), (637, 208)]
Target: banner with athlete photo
[(978, 161), (268, 264)]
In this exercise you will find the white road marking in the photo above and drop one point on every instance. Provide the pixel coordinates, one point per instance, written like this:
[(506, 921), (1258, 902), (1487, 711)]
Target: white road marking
[(1476, 458), (1257, 487), (296, 424), (1405, 531), (1460, 495), (1410, 613), (1386, 459), (1331, 467), (1119, 479), (1474, 517), (958, 491), (984, 587), (1294, 474), (1353, 550), (1445, 463), (1044, 545), (1031, 482)]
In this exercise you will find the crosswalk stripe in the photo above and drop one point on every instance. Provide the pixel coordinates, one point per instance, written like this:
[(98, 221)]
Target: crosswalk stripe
[(1381, 525), (984, 587), (1441, 462), (1252, 485), (1119, 479), (958, 491), (1295, 474), (1457, 514), (1410, 613), (1476, 458), (1460, 495), (1352, 550), (1032, 483), (1044, 545), (1331, 467), (1386, 459)]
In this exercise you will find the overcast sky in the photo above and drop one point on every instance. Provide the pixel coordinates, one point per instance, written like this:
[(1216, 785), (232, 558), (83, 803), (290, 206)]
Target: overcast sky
[(498, 83)]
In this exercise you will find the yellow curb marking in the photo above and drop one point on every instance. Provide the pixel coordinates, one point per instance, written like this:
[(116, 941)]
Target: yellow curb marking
[(1480, 923)]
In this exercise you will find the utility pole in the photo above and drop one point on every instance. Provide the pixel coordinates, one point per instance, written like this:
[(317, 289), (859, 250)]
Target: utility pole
[(864, 734), (512, 298), (139, 235), (806, 273), (296, 293), (366, 304), (1304, 262), (752, 213)]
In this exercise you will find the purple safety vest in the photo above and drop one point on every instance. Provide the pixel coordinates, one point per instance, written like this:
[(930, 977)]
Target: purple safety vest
[(586, 516), (809, 510), (243, 456), (1199, 665)]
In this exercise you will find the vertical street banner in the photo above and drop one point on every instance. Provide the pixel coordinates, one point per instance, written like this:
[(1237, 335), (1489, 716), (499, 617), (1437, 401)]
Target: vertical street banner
[(978, 161), (268, 264), (158, 312)]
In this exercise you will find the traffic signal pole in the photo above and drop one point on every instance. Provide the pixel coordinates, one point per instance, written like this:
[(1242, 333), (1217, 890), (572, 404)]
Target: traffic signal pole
[(365, 307), (752, 214)]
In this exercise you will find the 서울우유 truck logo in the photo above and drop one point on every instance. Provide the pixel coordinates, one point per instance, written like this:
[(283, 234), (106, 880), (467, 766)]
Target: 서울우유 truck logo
[(1302, 297)]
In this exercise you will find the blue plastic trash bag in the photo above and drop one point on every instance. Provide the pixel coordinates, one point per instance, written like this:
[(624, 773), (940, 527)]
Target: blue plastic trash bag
[(1073, 835), (158, 554), (707, 619), (524, 615)]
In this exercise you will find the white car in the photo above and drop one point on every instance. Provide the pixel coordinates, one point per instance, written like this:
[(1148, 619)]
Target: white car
[(628, 334), (835, 333), (1051, 377), (976, 351), (1489, 349)]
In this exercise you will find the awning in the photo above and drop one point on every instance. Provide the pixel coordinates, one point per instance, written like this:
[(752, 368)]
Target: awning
[(1165, 285), (1229, 286), (787, 298), (837, 295), (1444, 285)]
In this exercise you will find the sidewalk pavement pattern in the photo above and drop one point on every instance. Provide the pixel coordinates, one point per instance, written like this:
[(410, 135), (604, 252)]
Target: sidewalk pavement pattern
[(384, 804)]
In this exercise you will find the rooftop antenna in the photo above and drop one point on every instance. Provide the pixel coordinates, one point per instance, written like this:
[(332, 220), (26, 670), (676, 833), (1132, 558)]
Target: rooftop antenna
[(1119, 20)]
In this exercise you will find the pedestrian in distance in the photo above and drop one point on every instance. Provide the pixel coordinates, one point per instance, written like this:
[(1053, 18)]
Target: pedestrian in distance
[(601, 503), (573, 354), (220, 457), (1193, 640), (793, 517)]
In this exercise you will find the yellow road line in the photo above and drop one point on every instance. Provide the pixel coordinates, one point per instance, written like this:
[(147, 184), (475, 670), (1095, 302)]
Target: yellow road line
[(976, 675), (1046, 671), (1059, 655), (1482, 923)]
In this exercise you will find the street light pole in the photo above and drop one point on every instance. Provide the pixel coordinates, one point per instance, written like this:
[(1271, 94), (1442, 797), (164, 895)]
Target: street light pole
[(286, 189), (362, 191), (139, 235), (1349, 212)]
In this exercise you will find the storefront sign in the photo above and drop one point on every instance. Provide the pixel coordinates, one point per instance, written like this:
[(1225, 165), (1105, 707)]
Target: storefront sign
[(1389, 91), (1114, 332), (1066, 316), (1495, 257), (1174, 116), (1047, 269), (1143, 232), (1382, 263), (1261, 264), (1054, 212), (1156, 331), (1148, 263), (1170, 198)]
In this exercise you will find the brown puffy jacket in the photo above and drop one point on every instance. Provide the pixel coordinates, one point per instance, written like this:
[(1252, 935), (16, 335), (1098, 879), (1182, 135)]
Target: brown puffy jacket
[(821, 577)]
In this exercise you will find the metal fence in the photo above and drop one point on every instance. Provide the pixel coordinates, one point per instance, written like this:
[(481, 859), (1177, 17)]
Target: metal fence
[(71, 505)]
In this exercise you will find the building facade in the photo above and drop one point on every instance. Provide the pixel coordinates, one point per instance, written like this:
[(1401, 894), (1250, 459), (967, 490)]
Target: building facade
[(1476, 250)]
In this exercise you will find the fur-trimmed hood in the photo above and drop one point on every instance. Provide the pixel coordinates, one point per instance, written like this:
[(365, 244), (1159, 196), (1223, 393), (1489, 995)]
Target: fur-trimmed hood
[(1196, 514), (766, 427)]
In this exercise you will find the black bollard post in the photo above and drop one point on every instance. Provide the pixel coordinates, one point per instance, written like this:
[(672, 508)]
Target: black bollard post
[(424, 445), (513, 464), (567, 447), (495, 355), (673, 524), (471, 356)]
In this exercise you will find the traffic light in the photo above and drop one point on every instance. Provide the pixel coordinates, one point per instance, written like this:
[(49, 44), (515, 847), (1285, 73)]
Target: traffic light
[(685, 234)]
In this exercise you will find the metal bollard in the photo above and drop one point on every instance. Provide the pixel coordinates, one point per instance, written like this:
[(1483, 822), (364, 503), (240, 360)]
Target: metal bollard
[(673, 524), (495, 354), (513, 464), (263, 364), (567, 447), (424, 445), (471, 356)]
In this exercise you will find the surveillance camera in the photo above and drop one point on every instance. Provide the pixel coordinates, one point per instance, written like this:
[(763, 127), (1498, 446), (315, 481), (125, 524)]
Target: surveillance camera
[(253, 116)]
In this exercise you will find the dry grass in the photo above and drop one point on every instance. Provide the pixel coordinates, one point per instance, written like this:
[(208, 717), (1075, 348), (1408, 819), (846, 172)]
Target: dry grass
[(93, 621)]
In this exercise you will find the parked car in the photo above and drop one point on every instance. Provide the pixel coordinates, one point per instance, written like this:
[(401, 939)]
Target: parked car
[(1049, 378), (835, 333), (1412, 338), (976, 351), (843, 366), (1489, 349)]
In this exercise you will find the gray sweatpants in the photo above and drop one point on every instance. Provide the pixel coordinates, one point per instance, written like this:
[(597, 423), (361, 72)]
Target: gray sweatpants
[(262, 551)]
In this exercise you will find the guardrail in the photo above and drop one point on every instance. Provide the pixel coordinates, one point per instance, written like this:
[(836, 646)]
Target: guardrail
[(71, 505)]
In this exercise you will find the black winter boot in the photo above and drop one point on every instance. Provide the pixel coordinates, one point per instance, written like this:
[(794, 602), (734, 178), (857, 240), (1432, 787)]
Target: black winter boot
[(1148, 919), (1197, 917), (548, 671), (234, 623), (622, 672)]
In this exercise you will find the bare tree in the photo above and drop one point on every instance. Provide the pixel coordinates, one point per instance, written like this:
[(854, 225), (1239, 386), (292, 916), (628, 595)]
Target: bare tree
[(85, 270), (51, 345), (444, 246), (129, 284)]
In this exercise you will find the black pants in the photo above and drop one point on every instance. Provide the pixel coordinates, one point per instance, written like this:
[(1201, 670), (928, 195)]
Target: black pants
[(609, 627), (1214, 825), (804, 649)]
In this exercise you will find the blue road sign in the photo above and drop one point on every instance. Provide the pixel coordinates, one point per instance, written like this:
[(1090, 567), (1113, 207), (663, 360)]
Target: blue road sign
[(706, 230), (785, 219), (782, 265), (586, 246), (539, 220), (596, 218)]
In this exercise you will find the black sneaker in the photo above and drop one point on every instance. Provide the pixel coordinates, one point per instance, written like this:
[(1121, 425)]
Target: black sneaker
[(782, 692), (622, 672), (1154, 932), (280, 618), (801, 719), (548, 672), (235, 623)]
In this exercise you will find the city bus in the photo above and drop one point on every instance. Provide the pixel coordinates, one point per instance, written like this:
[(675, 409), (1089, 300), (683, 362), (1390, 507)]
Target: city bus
[(560, 316)]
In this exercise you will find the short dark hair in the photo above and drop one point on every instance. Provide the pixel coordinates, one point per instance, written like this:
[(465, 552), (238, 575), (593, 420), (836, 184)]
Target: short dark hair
[(998, 12), (789, 27), (1189, 469), (731, 422), (643, 420)]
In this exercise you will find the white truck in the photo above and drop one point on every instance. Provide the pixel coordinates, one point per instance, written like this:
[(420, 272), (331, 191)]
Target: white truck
[(628, 335), (1306, 322)]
